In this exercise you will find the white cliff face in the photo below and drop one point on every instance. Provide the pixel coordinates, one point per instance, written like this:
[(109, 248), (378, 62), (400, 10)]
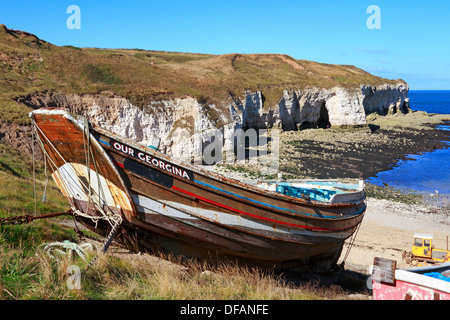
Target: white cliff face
[(314, 107), (182, 127), (386, 99), (168, 125), (345, 107)]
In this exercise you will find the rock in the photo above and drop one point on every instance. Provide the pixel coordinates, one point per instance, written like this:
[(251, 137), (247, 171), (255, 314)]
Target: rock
[(180, 126)]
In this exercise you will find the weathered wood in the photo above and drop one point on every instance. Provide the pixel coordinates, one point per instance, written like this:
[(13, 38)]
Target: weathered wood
[(180, 208), (384, 270)]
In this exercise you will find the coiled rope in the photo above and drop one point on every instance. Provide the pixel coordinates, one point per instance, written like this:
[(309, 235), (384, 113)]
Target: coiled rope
[(69, 248)]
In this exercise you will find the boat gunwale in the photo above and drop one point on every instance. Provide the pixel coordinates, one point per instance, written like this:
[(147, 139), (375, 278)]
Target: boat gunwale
[(286, 212), (415, 276), (220, 178), (258, 219)]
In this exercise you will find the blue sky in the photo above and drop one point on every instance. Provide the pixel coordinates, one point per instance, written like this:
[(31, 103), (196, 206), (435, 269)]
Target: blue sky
[(412, 42)]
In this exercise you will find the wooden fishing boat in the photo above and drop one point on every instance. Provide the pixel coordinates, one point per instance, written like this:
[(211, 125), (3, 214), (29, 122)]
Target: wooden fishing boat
[(168, 206), (417, 283)]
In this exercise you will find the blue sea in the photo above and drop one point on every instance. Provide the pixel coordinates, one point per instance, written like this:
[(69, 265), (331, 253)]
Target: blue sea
[(428, 173)]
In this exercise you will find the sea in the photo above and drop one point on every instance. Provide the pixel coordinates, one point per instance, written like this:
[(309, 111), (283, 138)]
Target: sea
[(427, 173)]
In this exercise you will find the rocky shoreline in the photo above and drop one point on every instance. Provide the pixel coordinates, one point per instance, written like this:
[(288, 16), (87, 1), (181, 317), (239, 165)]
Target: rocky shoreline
[(358, 153)]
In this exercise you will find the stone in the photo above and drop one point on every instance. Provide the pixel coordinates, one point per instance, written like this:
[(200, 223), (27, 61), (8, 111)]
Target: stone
[(178, 126)]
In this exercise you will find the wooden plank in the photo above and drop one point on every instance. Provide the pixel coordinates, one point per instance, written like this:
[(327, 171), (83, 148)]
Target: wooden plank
[(384, 270)]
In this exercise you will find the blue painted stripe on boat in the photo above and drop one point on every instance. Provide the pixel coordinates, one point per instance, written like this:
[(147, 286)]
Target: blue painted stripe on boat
[(252, 200), (266, 204), (104, 142)]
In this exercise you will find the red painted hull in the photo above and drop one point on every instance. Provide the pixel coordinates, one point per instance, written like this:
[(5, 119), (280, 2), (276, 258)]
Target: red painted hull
[(415, 284)]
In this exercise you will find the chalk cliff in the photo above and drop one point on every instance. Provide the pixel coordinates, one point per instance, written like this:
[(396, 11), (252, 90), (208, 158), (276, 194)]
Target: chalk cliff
[(174, 100), (178, 126)]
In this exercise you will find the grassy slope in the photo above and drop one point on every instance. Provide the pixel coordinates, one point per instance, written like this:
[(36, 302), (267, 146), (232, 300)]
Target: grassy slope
[(27, 273), (29, 65)]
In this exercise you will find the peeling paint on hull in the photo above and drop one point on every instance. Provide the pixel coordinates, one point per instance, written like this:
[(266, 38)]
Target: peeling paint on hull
[(178, 208)]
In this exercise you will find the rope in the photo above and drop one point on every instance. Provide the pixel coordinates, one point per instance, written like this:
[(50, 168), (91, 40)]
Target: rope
[(87, 155), (64, 177), (44, 195), (69, 247), (115, 220), (352, 240), (106, 244), (34, 169)]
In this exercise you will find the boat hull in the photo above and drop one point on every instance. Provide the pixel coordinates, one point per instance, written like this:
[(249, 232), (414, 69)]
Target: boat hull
[(419, 283), (180, 209)]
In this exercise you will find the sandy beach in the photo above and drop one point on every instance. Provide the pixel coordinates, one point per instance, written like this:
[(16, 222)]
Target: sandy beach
[(387, 231)]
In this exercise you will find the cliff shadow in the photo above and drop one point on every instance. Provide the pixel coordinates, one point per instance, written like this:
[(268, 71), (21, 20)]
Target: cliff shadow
[(289, 112)]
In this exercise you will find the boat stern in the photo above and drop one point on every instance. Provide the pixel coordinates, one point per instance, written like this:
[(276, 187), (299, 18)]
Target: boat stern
[(80, 167)]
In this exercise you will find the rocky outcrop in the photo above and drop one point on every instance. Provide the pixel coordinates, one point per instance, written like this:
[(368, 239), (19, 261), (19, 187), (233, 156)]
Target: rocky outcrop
[(19, 137), (316, 107), (386, 99), (180, 126)]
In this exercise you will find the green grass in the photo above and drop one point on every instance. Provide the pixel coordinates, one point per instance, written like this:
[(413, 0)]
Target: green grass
[(28, 273), (17, 195), (30, 65), (387, 192), (20, 270), (25, 276), (103, 74)]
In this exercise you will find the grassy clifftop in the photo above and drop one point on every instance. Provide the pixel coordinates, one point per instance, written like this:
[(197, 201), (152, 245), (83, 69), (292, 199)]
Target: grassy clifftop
[(29, 65)]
